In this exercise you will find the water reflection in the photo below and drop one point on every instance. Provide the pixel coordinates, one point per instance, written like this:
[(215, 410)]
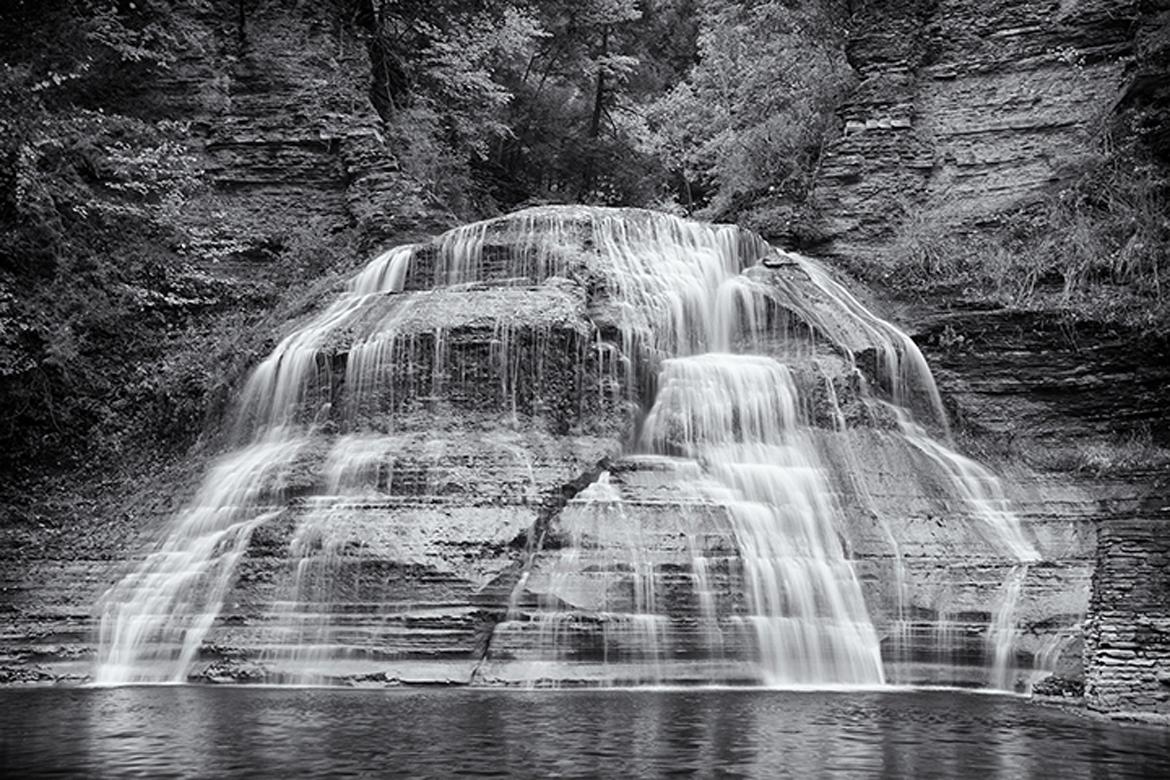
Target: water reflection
[(226, 732)]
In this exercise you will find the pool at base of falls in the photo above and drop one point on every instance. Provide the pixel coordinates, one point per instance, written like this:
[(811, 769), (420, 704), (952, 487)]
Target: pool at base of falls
[(198, 731)]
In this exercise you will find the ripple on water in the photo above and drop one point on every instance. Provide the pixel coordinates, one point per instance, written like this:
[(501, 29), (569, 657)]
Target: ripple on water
[(270, 732)]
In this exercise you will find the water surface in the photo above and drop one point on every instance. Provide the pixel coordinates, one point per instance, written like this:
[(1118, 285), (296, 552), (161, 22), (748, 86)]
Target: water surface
[(189, 731)]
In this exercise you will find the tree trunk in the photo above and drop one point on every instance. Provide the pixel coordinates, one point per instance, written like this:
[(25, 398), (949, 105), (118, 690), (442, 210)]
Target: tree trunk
[(241, 23), (599, 97), (587, 176)]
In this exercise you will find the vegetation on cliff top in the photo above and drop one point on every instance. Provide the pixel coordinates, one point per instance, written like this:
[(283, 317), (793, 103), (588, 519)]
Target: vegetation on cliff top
[(676, 103), (1096, 248)]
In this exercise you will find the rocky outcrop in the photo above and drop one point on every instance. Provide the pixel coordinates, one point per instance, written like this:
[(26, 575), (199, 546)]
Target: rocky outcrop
[(1038, 387), (1086, 405), (464, 500), (965, 111), (966, 108), (407, 579), (1127, 636)]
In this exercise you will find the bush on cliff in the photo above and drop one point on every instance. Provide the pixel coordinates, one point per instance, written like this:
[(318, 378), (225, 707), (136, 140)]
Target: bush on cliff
[(1098, 246)]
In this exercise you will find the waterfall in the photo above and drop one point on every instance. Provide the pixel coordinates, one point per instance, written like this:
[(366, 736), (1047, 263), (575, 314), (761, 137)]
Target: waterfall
[(718, 546), (738, 415), (154, 620)]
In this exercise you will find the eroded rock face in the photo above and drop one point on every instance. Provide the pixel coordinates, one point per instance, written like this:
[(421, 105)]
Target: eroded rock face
[(403, 573), (1127, 635), (1050, 385), (278, 113), (1086, 404), (966, 108)]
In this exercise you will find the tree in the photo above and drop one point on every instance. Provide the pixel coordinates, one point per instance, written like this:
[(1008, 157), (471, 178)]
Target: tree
[(751, 116), (577, 125), (440, 84)]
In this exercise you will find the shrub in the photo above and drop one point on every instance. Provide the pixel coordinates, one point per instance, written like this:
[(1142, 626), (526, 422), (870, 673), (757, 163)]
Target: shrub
[(1099, 246)]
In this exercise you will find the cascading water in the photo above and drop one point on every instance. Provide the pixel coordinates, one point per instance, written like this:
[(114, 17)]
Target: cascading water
[(738, 415), (716, 548), (155, 619)]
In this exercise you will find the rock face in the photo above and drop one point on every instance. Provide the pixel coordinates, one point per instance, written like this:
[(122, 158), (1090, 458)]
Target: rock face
[(1042, 388), (966, 108), (1127, 636), (1086, 406), (532, 451), (279, 114)]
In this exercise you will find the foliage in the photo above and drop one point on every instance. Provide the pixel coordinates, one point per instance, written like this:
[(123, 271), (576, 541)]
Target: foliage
[(755, 110), (91, 209), (621, 102), (111, 332), (571, 137), (500, 103), (438, 84)]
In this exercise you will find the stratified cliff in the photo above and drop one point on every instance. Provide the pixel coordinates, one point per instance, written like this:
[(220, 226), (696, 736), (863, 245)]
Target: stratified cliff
[(965, 113), (279, 105), (965, 109)]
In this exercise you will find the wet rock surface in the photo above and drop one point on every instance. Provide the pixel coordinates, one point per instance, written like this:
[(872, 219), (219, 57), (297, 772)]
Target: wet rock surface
[(443, 566), (452, 551)]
